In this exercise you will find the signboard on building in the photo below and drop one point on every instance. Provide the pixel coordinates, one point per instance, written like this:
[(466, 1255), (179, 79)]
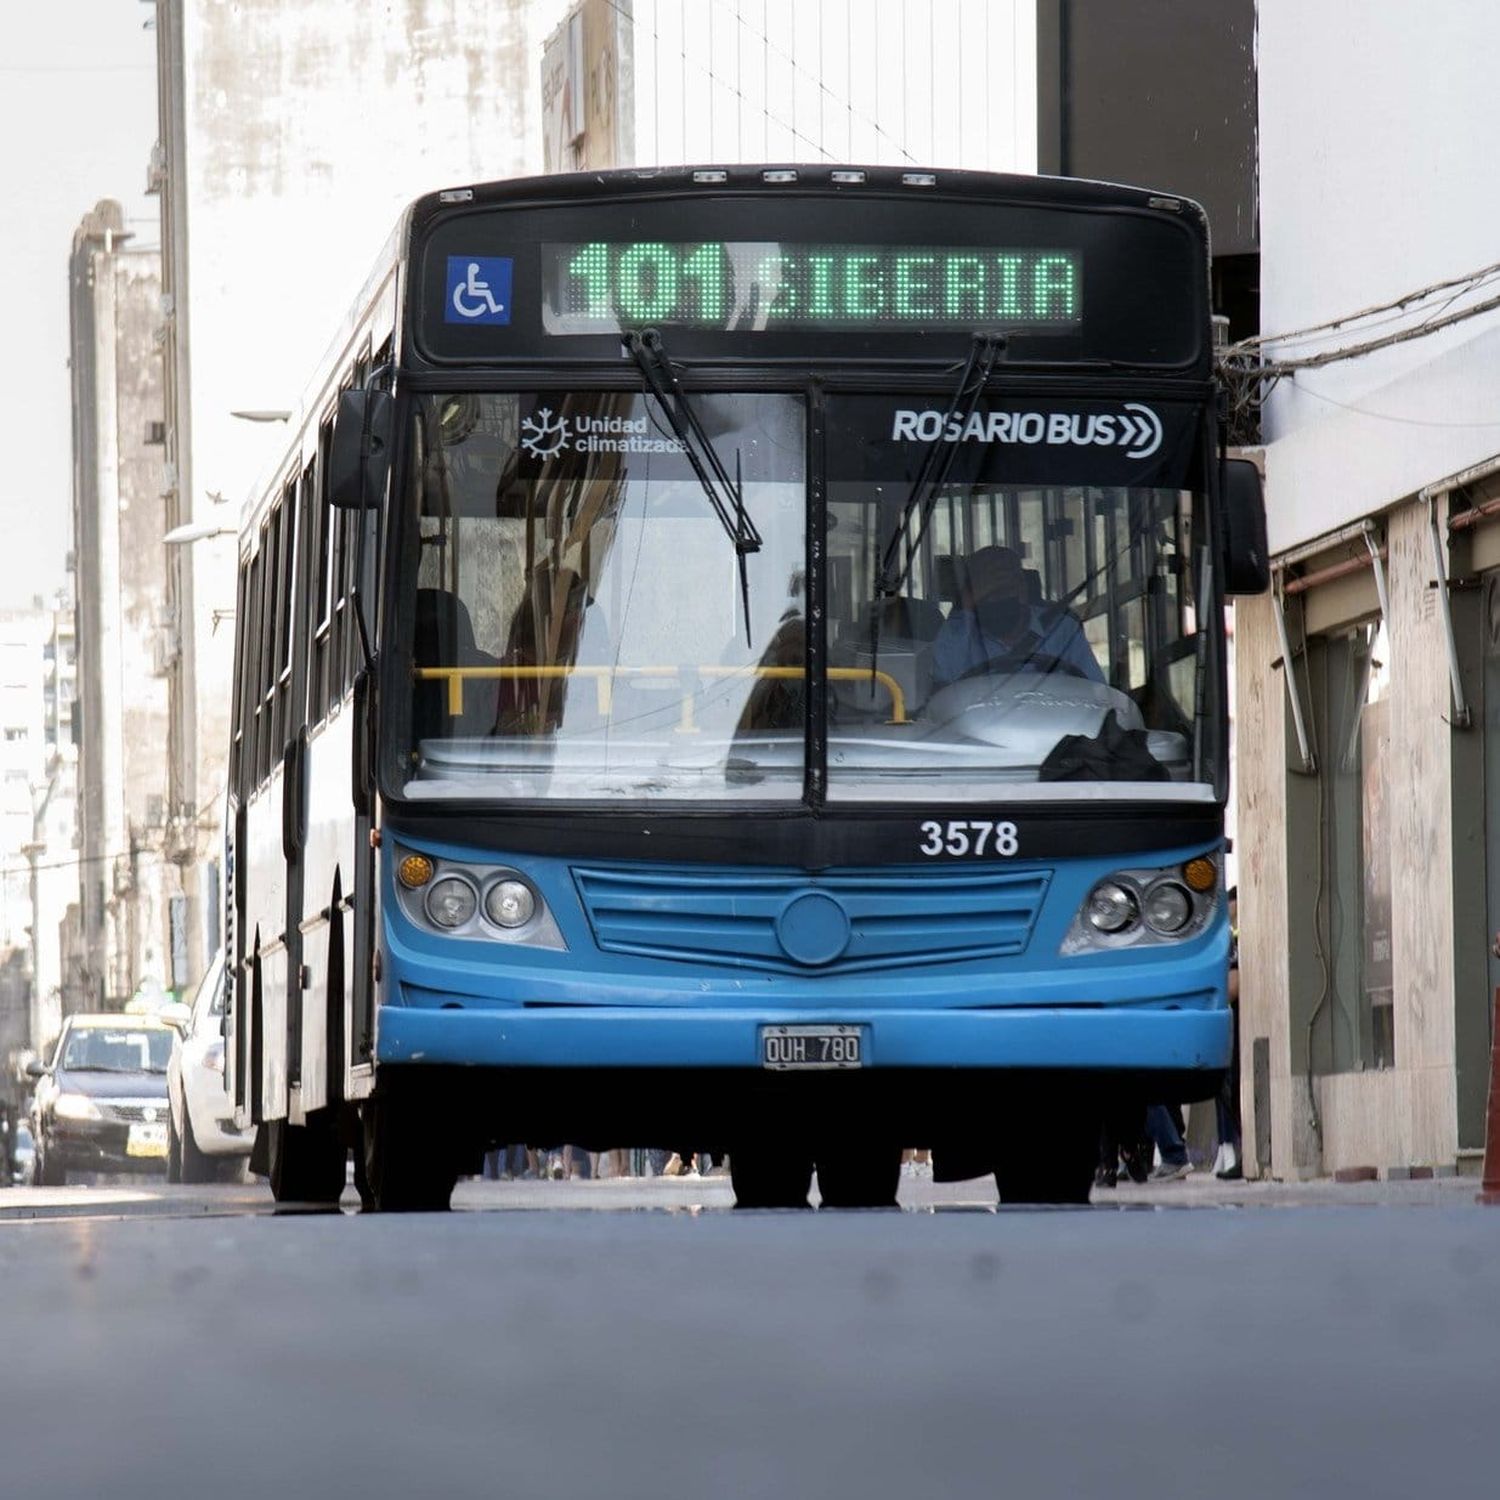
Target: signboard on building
[(586, 91), (562, 95)]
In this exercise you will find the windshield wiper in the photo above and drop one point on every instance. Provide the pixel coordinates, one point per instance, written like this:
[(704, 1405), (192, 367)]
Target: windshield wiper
[(937, 462), (650, 354)]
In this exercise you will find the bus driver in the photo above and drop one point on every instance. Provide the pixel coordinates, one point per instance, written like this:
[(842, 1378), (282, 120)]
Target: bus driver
[(996, 626)]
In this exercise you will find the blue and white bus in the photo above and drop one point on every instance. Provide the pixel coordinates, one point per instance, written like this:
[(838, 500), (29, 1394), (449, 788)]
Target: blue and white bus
[(735, 656)]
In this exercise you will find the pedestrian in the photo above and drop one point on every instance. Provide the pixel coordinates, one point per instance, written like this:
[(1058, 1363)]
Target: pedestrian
[(1166, 1132)]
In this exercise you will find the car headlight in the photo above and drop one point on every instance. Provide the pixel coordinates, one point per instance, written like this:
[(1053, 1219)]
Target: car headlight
[(451, 901), (1168, 907), (510, 903), (1112, 908), (213, 1058), (76, 1107)]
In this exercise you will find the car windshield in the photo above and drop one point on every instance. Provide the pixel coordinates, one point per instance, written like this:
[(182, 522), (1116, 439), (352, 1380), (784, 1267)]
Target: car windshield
[(1036, 626), (576, 623), (123, 1049)]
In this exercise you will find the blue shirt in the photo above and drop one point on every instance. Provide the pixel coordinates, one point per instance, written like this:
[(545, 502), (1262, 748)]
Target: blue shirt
[(961, 645)]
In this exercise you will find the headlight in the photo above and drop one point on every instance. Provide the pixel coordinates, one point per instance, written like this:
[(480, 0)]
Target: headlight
[(76, 1107), (1112, 908), (510, 903), (213, 1058), (1168, 907), (451, 902)]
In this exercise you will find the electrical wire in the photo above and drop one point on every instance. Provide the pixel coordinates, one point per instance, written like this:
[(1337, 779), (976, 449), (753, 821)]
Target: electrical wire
[(762, 105), (1249, 376), (1484, 273)]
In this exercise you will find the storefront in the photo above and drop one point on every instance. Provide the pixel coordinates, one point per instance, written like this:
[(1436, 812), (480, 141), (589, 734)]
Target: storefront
[(1369, 850)]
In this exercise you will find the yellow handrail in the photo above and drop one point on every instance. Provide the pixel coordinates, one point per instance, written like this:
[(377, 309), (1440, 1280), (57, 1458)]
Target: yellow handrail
[(604, 678)]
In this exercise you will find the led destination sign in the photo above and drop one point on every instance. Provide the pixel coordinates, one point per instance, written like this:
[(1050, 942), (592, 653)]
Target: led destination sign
[(748, 286)]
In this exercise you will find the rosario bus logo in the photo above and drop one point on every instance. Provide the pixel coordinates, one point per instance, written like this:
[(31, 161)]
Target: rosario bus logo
[(1134, 427)]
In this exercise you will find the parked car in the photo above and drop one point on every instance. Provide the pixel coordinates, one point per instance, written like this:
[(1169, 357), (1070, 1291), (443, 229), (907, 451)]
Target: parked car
[(203, 1141), (101, 1103)]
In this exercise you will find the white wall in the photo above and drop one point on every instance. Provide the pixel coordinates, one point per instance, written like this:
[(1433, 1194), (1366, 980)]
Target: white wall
[(1378, 120), (944, 83)]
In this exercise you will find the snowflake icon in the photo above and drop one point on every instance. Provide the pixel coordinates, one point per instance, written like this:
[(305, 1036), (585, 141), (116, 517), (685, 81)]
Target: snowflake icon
[(543, 435)]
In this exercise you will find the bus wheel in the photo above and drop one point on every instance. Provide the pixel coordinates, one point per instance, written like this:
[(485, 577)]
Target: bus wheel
[(1054, 1167), (859, 1177), (409, 1168), (306, 1161), (770, 1176)]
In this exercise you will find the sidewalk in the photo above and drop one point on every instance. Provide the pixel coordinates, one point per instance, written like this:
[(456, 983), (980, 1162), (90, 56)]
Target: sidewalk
[(1200, 1190)]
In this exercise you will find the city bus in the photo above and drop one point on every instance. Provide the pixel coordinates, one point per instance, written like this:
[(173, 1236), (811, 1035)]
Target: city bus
[(734, 657)]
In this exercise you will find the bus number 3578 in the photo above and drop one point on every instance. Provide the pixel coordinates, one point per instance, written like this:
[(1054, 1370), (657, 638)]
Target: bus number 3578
[(969, 836)]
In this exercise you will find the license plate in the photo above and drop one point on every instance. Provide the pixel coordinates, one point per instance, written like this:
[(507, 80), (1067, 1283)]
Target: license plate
[(146, 1140), (806, 1048)]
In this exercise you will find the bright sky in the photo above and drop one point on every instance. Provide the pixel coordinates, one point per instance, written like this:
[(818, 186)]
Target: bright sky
[(77, 123)]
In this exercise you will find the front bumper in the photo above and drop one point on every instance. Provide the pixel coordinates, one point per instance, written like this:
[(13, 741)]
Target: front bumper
[(103, 1146), (1187, 1034)]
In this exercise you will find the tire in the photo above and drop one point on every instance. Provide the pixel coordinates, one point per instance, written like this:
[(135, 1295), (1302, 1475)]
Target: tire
[(409, 1166), (859, 1176), (49, 1173), (174, 1148), (770, 1176), (193, 1165), (1058, 1169), (306, 1161)]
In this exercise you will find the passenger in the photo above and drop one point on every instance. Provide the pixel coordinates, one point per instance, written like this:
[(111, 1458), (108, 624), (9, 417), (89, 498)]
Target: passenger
[(779, 702), (996, 621)]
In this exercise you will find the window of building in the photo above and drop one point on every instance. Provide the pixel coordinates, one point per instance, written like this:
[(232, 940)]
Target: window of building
[(1354, 1026)]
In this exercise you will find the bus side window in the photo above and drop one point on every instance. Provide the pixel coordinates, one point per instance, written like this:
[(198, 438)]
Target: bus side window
[(300, 651), (281, 679), (270, 538), (237, 706), (250, 677), (319, 694)]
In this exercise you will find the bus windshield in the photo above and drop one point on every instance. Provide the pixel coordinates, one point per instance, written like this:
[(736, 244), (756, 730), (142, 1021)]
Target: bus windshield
[(1038, 624), (576, 626), (576, 621)]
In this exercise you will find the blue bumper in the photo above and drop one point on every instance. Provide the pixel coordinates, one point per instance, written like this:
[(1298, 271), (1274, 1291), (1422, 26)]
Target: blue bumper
[(1137, 1038)]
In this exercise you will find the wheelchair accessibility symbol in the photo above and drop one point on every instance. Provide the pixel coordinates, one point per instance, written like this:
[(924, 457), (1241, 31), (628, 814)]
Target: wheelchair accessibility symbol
[(478, 289)]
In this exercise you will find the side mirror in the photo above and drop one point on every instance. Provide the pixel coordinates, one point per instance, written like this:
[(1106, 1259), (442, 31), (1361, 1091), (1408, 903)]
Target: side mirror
[(35, 1069), (360, 455), (1247, 561), (177, 1015)]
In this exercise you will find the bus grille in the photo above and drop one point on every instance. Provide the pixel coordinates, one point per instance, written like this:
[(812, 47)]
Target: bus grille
[(894, 918)]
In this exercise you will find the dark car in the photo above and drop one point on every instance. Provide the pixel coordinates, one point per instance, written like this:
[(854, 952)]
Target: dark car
[(102, 1103)]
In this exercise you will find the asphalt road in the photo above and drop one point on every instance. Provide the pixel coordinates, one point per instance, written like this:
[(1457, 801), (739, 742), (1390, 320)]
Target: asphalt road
[(1262, 1342)]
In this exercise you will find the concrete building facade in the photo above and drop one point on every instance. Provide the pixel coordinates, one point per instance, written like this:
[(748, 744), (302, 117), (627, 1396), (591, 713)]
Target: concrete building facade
[(118, 571), (1369, 848), (38, 861), (291, 134)]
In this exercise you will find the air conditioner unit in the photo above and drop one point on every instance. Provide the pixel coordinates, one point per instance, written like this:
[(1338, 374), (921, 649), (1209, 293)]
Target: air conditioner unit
[(165, 649)]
